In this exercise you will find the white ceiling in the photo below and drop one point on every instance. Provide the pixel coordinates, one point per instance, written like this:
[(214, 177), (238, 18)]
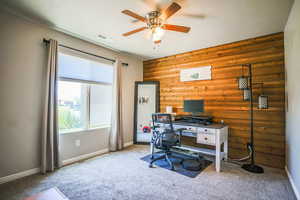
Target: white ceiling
[(224, 21)]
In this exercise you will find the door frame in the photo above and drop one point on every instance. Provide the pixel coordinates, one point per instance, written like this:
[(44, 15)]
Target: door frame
[(157, 106)]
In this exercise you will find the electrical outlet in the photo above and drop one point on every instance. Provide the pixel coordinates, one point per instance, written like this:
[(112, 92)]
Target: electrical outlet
[(77, 143)]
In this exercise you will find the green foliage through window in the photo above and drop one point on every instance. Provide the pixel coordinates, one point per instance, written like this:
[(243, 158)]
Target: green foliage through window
[(68, 118)]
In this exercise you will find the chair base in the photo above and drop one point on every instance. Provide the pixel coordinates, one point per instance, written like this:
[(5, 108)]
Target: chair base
[(192, 165), (165, 156)]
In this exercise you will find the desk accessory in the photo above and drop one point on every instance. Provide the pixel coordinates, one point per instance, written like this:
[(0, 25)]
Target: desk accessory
[(169, 109)]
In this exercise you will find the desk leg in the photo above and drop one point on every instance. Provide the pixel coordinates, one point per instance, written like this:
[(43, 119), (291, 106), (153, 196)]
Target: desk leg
[(226, 150), (151, 150), (218, 153)]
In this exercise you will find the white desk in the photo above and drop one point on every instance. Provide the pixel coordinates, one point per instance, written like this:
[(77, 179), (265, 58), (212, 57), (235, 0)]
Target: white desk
[(214, 135)]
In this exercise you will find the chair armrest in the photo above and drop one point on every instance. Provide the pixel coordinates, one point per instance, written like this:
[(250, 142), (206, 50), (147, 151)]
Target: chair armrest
[(154, 127), (180, 134), (181, 129)]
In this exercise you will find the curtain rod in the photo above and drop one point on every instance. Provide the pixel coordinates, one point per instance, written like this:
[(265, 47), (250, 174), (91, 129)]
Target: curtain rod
[(112, 60)]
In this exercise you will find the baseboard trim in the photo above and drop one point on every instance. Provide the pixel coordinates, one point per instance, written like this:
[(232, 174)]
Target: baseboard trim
[(29, 172), (84, 157), (127, 144), (292, 183), (18, 175)]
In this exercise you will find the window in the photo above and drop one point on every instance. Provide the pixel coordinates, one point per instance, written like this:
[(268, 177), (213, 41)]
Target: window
[(100, 105), (84, 94), (72, 109)]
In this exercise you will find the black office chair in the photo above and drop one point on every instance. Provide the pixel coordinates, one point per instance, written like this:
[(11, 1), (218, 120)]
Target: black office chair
[(164, 137)]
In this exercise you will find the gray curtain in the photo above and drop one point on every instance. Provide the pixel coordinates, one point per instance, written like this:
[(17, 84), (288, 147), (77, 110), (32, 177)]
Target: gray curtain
[(116, 131), (50, 143)]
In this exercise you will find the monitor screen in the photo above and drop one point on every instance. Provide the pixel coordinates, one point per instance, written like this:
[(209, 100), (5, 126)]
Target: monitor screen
[(194, 106)]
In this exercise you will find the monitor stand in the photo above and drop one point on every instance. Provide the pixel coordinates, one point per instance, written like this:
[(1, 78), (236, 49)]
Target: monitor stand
[(196, 118), (199, 114)]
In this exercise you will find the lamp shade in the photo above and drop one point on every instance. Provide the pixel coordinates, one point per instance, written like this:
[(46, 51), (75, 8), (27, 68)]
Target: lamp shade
[(247, 94), (263, 102), (243, 82)]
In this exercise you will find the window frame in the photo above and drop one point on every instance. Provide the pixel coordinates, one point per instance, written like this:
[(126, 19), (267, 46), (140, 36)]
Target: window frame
[(87, 126)]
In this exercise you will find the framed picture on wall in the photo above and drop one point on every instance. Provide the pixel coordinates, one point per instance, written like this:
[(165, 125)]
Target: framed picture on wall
[(195, 74)]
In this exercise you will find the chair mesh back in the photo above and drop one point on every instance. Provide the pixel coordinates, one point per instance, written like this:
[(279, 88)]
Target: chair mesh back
[(166, 119), (162, 124)]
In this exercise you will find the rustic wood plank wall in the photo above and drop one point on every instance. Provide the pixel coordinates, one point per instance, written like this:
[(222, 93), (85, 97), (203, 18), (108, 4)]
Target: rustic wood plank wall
[(224, 100)]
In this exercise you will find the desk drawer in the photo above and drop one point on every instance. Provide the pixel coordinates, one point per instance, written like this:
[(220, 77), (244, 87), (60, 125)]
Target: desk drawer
[(188, 128), (203, 138), (207, 130), (191, 129)]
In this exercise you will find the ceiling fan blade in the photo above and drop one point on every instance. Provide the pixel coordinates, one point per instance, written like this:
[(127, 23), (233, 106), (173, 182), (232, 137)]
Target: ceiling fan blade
[(171, 10), (170, 27), (134, 31), (134, 21), (134, 15), (195, 16)]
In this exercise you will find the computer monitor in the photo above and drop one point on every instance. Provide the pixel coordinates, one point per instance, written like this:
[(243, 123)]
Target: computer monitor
[(194, 106)]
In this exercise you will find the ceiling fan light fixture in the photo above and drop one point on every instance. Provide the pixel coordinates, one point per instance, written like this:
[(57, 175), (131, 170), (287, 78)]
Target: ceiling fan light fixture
[(157, 34), (153, 20)]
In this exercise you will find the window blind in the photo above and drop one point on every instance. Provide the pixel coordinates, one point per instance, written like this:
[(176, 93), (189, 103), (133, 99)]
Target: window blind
[(84, 69)]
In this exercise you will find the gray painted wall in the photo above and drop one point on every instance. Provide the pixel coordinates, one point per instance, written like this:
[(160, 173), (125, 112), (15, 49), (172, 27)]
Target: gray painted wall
[(22, 75), (292, 59)]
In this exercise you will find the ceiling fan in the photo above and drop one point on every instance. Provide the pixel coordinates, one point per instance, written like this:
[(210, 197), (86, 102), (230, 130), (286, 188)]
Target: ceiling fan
[(155, 22)]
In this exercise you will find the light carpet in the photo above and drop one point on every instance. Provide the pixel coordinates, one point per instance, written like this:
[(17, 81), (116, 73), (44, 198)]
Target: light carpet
[(122, 175)]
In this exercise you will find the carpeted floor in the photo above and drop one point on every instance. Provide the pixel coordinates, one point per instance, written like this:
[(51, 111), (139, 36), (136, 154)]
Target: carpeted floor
[(123, 175)]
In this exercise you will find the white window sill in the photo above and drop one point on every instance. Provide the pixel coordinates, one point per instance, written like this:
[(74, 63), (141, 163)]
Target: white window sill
[(85, 130)]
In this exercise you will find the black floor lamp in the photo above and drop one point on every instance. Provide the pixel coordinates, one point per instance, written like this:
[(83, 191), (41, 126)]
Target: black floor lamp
[(245, 83)]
